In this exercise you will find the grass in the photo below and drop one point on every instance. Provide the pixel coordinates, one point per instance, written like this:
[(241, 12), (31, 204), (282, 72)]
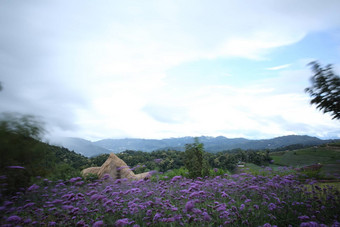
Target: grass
[(327, 156)]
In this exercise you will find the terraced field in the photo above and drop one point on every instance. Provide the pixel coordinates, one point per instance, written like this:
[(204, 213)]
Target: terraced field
[(328, 156)]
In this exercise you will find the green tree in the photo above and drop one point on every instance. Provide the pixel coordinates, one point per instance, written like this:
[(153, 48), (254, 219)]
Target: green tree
[(23, 156), (195, 161), (325, 89)]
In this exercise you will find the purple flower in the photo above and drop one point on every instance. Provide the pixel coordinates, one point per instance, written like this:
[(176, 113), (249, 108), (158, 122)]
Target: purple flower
[(189, 205), (157, 160), (271, 206), (206, 216), (122, 167), (98, 224), (122, 222), (81, 223), (14, 219), (157, 216), (15, 167), (72, 180), (52, 223), (33, 187), (176, 178), (242, 207), (27, 221), (303, 218), (247, 201), (215, 170), (309, 224), (28, 205)]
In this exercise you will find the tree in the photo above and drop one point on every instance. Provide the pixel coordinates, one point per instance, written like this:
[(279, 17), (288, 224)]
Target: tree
[(23, 156), (325, 89), (195, 161)]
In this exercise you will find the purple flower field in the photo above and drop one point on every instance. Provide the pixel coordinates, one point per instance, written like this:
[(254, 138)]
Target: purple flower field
[(235, 200)]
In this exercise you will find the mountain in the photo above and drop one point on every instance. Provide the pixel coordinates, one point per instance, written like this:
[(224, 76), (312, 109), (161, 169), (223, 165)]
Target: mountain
[(211, 144), (81, 146)]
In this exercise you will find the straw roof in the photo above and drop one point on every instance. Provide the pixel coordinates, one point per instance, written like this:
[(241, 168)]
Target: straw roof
[(116, 168), (91, 170)]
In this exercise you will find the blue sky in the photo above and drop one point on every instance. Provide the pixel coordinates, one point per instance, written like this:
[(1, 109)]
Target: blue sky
[(158, 69)]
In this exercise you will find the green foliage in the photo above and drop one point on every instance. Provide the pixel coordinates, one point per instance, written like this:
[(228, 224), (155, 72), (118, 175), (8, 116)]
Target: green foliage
[(161, 160), (170, 174), (19, 147), (73, 159), (99, 159), (328, 156), (195, 161), (325, 89), (64, 171), (24, 157), (90, 177)]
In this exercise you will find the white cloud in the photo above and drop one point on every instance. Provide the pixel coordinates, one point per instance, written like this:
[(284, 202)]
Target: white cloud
[(99, 69), (279, 67)]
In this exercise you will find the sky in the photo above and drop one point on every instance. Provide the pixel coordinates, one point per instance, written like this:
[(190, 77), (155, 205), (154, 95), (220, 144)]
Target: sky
[(160, 69)]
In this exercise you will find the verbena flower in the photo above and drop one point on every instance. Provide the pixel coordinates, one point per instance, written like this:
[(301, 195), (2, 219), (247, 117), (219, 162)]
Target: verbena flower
[(303, 218), (271, 206), (33, 187), (52, 223), (157, 217), (309, 224), (15, 167), (189, 205), (14, 219), (98, 224), (206, 216), (122, 222)]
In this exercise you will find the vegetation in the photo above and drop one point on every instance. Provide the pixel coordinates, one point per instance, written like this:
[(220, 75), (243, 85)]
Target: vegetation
[(195, 161), (236, 200), (26, 160), (325, 89), (327, 156), (40, 184), (24, 157)]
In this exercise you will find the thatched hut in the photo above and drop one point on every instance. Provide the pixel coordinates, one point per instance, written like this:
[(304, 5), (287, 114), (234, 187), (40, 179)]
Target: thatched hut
[(116, 168), (91, 170)]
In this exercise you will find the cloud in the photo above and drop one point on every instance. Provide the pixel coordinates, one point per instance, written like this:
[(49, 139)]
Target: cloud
[(279, 67), (166, 114), (100, 69)]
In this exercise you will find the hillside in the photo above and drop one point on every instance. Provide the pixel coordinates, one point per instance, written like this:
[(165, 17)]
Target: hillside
[(327, 155), (211, 144), (81, 146)]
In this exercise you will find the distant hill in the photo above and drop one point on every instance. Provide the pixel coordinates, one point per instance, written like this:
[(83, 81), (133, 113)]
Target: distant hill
[(81, 146), (211, 144)]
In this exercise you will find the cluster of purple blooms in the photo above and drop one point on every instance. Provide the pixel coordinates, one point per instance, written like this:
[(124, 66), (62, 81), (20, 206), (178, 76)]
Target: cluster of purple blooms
[(229, 200)]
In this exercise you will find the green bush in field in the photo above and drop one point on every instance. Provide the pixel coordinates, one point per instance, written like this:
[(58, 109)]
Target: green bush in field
[(195, 161)]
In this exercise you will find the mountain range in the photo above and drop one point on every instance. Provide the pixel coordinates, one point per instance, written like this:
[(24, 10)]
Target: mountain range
[(211, 144)]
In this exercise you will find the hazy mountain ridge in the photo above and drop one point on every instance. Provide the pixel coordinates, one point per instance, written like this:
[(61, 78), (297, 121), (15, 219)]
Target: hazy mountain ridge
[(81, 146), (211, 144)]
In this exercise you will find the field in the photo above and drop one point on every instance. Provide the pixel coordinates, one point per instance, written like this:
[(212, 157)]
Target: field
[(230, 200), (279, 194), (327, 156)]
